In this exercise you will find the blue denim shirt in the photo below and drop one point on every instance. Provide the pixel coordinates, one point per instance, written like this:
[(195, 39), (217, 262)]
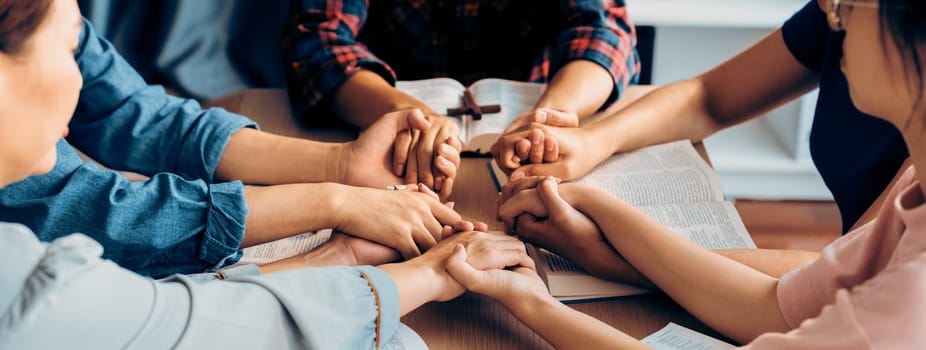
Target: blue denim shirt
[(179, 221)]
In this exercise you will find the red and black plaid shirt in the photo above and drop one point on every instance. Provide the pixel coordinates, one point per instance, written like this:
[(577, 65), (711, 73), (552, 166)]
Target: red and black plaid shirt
[(328, 40)]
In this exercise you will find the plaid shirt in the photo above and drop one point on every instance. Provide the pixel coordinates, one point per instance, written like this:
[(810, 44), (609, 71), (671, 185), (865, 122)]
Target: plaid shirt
[(328, 40)]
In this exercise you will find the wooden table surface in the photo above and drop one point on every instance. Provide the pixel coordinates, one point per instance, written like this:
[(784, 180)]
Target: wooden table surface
[(473, 321)]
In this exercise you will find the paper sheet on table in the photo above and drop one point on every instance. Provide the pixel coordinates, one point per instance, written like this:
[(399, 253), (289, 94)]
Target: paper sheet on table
[(675, 337)]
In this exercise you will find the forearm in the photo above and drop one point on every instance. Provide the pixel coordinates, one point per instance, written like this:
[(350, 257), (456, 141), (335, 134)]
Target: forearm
[(276, 212), (580, 86), (673, 112), (772, 262), (260, 158), (417, 283), (571, 329), (691, 275), (365, 97)]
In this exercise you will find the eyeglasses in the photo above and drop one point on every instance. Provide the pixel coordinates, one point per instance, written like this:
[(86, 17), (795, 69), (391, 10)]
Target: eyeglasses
[(838, 10)]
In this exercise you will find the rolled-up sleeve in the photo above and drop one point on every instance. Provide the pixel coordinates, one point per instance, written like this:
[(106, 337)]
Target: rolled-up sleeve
[(125, 124), (320, 43), (599, 31), (158, 227)]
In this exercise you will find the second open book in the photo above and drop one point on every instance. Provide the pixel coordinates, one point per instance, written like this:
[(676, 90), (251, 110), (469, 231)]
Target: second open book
[(673, 185), (441, 94)]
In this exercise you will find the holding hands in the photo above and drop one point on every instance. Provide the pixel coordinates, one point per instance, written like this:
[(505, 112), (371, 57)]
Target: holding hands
[(548, 214), (567, 153), (410, 220), (403, 147)]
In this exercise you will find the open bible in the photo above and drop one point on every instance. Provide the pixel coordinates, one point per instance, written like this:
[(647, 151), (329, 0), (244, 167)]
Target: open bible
[(444, 94), (673, 185)]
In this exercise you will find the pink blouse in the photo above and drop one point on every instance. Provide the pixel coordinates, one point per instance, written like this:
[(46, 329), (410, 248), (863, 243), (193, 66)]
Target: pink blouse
[(867, 289)]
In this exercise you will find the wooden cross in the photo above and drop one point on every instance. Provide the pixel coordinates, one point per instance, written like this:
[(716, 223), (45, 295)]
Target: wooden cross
[(470, 107)]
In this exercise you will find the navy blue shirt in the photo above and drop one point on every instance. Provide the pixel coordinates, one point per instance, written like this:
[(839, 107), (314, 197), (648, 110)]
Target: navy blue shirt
[(856, 154)]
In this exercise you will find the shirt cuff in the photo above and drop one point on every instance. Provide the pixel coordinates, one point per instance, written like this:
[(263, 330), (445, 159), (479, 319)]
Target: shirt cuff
[(388, 296), (207, 152), (228, 273), (224, 224)]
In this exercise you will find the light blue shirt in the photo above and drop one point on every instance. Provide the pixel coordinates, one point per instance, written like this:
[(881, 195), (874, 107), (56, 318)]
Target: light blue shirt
[(179, 221), (62, 295)]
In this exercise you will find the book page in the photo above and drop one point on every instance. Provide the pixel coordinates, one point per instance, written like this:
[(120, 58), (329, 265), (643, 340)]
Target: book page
[(439, 94), (405, 339), (516, 98), (675, 337), (284, 248), (712, 225), (661, 174)]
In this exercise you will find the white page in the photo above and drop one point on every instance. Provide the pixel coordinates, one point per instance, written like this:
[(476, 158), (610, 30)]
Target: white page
[(675, 337), (439, 93), (712, 225), (668, 173), (284, 248), (405, 339), (516, 98)]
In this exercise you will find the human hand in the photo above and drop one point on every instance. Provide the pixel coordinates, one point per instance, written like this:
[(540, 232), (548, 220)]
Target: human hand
[(533, 209), (505, 285), (567, 153), (410, 220), (431, 156), (546, 116), (370, 160), (487, 251)]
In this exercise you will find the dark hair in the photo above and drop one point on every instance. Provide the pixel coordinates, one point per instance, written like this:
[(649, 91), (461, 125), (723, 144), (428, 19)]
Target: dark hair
[(905, 22), (19, 19)]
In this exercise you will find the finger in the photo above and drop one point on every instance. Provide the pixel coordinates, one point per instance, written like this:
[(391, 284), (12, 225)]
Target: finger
[(535, 231), (426, 156), (408, 248), (518, 185), (422, 188), (446, 231), (523, 149), (439, 184), (480, 226), (433, 233), (551, 150), (462, 271), (519, 123), (524, 202), (403, 143), (548, 193), (450, 153), (553, 117), (446, 168), (536, 138), (415, 119), (411, 166), (558, 169), (447, 188)]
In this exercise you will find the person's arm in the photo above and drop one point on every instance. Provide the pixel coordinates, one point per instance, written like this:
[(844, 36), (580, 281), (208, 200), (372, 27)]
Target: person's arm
[(523, 293), (410, 221), (331, 68), (588, 65), (125, 124), (166, 224), (691, 275), (693, 109), (541, 219)]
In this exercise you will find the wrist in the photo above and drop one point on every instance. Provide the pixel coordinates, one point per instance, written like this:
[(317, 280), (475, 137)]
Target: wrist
[(600, 132), (337, 169), (524, 305), (333, 202)]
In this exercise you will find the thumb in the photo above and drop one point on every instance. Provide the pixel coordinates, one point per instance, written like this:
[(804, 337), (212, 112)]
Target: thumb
[(557, 169), (549, 196), (460, 270), (553, 117)]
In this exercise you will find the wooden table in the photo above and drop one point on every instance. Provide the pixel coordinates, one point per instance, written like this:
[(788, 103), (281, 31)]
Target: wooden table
[(473, 321)]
